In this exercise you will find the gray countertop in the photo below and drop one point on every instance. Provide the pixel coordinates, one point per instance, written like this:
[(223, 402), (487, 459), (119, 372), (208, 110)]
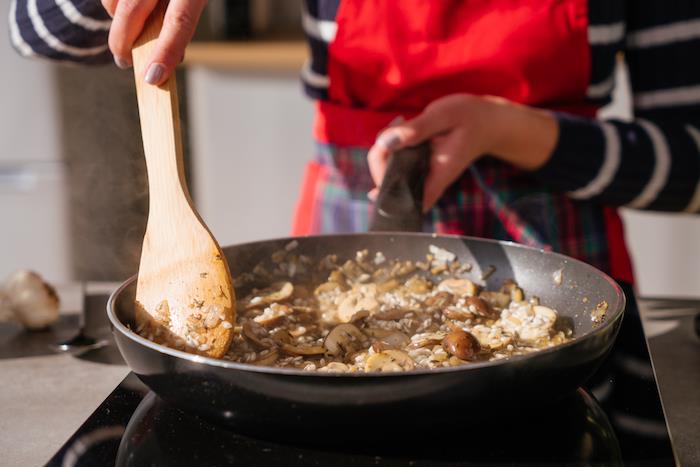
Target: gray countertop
[(675, 355), (45, 397)]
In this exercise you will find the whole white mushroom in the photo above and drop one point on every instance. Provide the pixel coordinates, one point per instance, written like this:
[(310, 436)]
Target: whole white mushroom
[(27, 298)]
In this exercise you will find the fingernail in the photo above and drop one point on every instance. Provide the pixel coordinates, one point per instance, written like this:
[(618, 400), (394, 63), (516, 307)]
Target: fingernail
[(372, 194), (389, 139), (155, 73), (123, 64)]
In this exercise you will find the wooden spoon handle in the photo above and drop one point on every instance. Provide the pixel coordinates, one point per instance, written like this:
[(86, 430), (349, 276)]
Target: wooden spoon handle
[(160, 121)]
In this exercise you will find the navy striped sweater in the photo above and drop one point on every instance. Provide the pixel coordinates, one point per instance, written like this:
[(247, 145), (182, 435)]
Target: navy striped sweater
[(650, 163)]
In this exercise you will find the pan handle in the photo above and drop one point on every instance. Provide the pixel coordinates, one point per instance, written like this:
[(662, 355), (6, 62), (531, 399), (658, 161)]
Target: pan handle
[(399, 205)]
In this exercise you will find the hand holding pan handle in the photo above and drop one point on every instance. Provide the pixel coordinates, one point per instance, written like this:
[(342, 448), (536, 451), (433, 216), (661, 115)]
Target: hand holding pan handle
[(399, 205)]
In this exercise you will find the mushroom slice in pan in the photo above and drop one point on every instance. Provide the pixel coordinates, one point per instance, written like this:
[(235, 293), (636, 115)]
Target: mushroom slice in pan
[(266, 360), (273, 315), (356, 302), (481, 307), (461, 344), (389, 360), (440, 300), (343, 339), (257, 334), (277, 292), (335, 367), (427, 339), (391, 314), (282, 336), (511, 288), (395, 340), (305, 350), (495, 299)]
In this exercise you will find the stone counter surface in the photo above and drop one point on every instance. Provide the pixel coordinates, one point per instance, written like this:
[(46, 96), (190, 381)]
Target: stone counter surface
[(45, 397)]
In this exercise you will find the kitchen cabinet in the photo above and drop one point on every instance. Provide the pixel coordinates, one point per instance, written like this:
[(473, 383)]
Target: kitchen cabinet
[(250, 136), (33, 191)]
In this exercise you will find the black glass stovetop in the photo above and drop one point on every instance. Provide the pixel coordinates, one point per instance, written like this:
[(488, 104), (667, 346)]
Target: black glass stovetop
[(617, 419)]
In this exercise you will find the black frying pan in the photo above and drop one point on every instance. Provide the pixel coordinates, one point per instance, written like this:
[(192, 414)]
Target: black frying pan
[(286, 402)]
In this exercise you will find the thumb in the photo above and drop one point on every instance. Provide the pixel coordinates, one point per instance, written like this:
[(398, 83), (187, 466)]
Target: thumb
[(421, 128)]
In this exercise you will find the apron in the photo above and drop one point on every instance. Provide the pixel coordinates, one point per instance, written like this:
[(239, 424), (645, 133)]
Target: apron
[(394, 58)]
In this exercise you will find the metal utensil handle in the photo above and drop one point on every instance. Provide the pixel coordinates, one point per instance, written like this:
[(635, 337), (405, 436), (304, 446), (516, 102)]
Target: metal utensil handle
[(399, 205)]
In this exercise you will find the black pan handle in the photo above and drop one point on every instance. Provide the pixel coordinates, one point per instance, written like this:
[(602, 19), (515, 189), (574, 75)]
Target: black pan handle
[(399, 205)]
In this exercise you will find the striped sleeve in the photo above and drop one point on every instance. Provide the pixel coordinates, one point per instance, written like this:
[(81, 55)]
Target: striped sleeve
[(318, 21), (652, 162), (61, 30)]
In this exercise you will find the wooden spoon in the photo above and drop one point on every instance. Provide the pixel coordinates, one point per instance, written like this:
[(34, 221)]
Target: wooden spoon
[(184, 295)]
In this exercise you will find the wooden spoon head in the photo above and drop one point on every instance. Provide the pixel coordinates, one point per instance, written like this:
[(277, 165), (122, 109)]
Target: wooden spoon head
[(184, 295)]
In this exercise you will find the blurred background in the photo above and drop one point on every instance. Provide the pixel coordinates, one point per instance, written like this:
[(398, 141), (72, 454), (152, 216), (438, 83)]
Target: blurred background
[(72, 177)]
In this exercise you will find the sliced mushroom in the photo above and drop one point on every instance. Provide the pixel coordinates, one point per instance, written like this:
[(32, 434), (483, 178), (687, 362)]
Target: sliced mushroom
[(282, 336), (395, 340), (427, 339), (343, 339), (356, 302), (440, 300), (480, 307), (326, 287), (377, 332), (273, 315), (495, 299), (305, 350), (389, 360), (335, 367), (277, 292), (391, 314), (461, 344), (458, 314), (459, 287), (267, 360), (257, 334), (511, 288)]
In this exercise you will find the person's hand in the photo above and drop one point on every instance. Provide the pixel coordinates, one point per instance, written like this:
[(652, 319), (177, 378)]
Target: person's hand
[(463, 128), (179, 24)]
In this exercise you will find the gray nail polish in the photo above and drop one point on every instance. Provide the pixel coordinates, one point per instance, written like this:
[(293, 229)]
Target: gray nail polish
[(389, 140), (155, 73), (123, 64)]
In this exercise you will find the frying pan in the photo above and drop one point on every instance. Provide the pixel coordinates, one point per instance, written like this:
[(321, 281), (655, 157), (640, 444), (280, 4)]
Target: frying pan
[(291, 403)]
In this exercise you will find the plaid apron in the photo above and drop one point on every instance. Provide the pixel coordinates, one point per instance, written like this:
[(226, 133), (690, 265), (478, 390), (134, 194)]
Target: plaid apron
[(491, 199)]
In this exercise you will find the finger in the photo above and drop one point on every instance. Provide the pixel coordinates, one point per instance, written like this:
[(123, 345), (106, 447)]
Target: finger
[(429, 124), (377, 159), (129, 18), (110, 6), (178, 28), (447, 163), (372, 194), (378, 155)]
